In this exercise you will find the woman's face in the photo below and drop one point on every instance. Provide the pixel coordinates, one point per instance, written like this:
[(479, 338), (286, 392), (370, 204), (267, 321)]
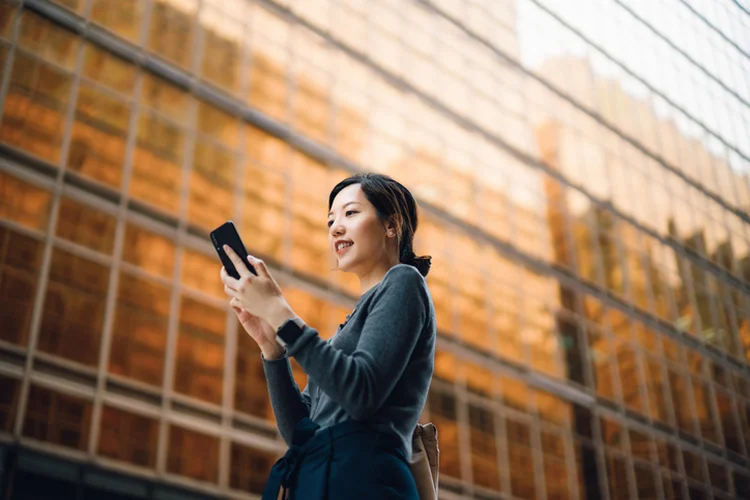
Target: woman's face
[(354, 222)]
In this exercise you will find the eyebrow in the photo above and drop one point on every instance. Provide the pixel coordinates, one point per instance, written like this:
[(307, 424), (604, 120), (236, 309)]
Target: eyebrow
[(345, 205)]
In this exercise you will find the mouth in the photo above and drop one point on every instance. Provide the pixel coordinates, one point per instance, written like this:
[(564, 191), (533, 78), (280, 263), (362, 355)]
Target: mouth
[(342, 247)]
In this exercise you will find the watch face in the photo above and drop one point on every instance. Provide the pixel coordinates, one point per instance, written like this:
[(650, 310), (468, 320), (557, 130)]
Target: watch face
[(289, 332)]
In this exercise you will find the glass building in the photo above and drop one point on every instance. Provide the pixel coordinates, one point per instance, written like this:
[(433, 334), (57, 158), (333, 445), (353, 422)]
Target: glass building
[(581, 170)]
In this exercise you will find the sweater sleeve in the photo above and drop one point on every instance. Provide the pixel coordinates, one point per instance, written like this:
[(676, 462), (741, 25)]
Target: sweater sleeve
[(289, 405), (361, 382)]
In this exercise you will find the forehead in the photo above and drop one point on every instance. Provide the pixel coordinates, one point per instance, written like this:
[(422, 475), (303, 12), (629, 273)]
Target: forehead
[(349, 193)]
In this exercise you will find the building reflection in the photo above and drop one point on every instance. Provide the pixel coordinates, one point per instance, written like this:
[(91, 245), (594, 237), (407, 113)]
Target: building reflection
[(589, 338)]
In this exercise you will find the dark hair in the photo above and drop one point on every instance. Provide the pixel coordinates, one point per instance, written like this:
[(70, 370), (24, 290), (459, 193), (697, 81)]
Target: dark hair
[(394, 203)]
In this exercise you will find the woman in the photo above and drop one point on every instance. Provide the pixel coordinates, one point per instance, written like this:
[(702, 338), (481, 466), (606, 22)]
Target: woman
[(350, 429)]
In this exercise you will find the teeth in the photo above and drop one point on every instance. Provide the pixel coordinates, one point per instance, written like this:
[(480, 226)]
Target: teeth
[(342, 245)]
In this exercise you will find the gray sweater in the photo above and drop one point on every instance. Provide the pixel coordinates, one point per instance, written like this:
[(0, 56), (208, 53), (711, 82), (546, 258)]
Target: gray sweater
[(376, 368)]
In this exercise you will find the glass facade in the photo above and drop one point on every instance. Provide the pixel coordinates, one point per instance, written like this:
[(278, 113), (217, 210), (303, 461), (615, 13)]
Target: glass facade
[(582, 174)]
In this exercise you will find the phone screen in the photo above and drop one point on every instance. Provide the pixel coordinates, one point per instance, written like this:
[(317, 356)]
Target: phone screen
[(227, 234)]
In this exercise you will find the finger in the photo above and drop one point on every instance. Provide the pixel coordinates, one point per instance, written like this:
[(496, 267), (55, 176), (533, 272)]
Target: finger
[(260, 267), (228, 280), (230, 291), (235, 304), (238, 264)]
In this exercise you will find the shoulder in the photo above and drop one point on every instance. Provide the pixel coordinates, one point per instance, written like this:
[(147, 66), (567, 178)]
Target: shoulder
[(403, 274), (403, 280)]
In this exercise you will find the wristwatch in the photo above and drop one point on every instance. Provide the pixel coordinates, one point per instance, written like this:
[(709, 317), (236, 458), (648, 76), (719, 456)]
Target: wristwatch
[(289, 332)]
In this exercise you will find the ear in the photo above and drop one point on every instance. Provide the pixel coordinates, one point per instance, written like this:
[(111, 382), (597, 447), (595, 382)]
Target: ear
[(390, 229)]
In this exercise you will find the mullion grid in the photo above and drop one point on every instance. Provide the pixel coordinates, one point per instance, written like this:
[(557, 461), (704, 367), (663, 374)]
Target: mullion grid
[(183, 186), (46, 263), (114, 275)]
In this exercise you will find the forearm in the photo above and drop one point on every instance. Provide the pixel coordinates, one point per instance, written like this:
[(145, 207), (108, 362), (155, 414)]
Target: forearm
[(289, 405)]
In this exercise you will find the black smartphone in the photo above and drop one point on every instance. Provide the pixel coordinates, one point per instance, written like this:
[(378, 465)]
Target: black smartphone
[(227, 234)]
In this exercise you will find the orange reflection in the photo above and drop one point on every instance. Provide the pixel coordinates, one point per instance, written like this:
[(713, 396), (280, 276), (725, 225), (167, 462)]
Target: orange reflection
[(35, 107), (128, 437), (97, 144), (199, 368), (139, 333), (86, 226), (172, 30), (263, 211), (57, 418), (182, 458), (20, 265), (73, 314), (24, 203), (250, 387), (149, 251)]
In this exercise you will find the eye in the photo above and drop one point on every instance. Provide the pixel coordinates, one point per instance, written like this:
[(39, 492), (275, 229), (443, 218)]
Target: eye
[(330, 222)]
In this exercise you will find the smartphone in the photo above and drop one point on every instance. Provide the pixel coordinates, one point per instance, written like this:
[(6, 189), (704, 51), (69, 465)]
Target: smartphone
[(227, 234)]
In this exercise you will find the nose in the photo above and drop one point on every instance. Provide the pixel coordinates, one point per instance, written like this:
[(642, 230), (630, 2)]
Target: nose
[(337, 229)]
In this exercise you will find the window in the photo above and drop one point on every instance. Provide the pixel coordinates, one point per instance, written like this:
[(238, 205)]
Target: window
[(617, 476), (57, 418), (8, 11), (24, 203), (250, 468), (479, 380), (172, 31), (48, 40), (193, 454), (139, 332), (483, 450), (123, 17), (472, 292), (310, 252), (128, 437), (97, 144), (250, 387), (20, 263), (74, 5), (108, 70), (443, 414), (445, 365), (199, 368), (657, 390), (9, 402), (269, 63), (156, 174), (212, 180), (315, 311), (263, 211), (223, 34), (153, 253), (86, 226), (202, 273), (521, 456), (35, 107), (726, 406), (555, 467), (683, 412), (74, 308)]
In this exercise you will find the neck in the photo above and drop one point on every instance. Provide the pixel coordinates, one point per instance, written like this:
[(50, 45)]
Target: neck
[(375, 273)]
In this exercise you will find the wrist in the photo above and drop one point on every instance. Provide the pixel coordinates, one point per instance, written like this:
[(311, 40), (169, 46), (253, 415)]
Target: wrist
[(280, 315), (272, 352)]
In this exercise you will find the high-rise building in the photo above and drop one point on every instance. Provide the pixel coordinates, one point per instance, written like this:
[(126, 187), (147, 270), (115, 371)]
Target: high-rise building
[(581, 170)]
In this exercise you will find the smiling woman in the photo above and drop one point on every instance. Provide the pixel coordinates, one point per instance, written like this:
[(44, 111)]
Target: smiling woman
[(368, 384)]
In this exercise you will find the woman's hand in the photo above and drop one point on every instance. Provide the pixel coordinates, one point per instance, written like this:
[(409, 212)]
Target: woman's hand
[(260, 331), (257, 295)]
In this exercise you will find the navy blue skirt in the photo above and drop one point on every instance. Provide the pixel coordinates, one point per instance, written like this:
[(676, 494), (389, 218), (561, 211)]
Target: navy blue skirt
[(349, 460)]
